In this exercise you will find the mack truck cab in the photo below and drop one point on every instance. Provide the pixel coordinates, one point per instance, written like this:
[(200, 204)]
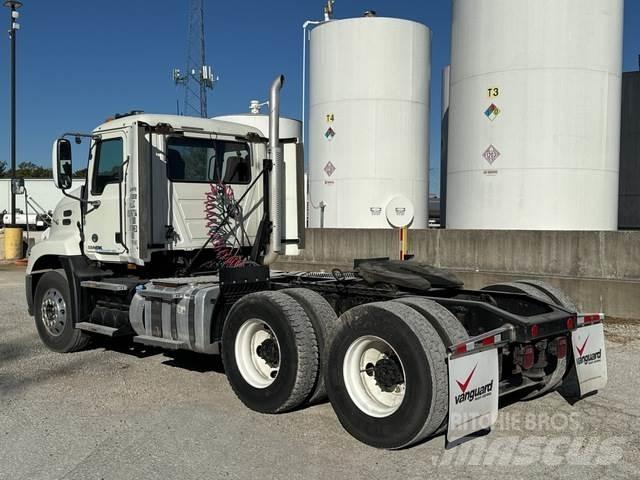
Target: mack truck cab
[(170, 243)]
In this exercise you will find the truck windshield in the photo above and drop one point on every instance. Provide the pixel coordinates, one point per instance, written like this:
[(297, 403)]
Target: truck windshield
[(204, 160)]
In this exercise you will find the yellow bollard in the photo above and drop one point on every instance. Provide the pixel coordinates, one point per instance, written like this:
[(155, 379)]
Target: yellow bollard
[(12, 243), (403, 238)]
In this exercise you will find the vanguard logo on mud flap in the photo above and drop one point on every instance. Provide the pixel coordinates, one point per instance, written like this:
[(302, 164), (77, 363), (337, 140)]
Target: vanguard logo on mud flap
[(590, 358), (475, 393)]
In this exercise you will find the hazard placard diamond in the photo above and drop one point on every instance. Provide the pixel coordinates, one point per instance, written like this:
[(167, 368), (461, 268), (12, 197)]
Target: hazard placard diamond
[(492, 112), (329, 168), (491, 154), (329, 134)]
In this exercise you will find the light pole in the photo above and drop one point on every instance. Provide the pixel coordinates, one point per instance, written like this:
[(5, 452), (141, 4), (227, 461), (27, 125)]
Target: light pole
[(14, 5)]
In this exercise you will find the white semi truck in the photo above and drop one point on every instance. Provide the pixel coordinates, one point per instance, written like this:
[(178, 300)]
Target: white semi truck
[(169, 242)]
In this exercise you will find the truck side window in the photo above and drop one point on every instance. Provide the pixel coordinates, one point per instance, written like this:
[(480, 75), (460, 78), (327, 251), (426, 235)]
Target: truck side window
[(108, 165), (203, 160), (236, 164)]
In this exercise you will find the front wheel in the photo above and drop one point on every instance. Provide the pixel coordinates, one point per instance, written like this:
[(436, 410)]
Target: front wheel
[(53, 314)]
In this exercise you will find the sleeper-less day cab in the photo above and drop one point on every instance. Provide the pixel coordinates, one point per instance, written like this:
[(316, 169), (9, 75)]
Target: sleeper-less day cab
[(169, 242)]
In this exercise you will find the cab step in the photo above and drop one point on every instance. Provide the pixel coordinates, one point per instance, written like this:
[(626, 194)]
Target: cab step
[(101, 329), (159, 342), (112, 287)]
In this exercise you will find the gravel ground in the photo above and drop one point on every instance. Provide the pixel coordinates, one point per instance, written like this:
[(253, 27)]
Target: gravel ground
[(119, 412)]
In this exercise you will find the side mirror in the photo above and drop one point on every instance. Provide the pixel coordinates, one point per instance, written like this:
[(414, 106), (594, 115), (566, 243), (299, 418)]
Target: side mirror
[(17, 186), (61, 160)]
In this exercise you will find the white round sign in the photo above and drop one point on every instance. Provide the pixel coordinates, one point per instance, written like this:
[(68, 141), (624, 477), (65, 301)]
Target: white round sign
[(400, 211)]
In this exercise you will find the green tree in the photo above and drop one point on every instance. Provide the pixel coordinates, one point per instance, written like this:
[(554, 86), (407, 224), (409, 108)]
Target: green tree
[(31, 170)]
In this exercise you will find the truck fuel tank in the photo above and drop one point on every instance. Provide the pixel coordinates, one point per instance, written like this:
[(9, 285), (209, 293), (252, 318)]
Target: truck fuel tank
[(176, 313)]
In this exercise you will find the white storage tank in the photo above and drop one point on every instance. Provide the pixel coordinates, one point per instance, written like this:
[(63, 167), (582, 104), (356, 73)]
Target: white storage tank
[(368, 123), (534, 119), (289, 127)]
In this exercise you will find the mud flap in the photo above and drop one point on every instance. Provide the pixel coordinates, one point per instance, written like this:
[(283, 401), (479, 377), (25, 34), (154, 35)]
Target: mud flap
[(473, 392), (589, 357)]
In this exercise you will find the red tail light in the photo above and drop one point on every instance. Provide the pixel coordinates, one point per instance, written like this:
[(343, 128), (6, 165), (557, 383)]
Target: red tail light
[(535, 329), (592, 319), (488, 341), (571, 323), (528, 357)]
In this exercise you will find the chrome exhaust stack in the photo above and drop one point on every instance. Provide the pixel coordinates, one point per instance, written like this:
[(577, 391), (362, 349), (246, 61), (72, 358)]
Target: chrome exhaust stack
[(274, 153)]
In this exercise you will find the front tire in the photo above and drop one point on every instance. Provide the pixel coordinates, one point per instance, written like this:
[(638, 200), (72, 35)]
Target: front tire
[(54, 315), (387, 375), (270, 352)]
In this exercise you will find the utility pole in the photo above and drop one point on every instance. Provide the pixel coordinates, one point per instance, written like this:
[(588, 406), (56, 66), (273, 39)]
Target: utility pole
[(198, 77), (14, 26)]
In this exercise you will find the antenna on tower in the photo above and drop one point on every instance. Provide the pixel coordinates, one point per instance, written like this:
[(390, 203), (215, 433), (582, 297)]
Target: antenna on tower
[(328, 10), (198, 77)]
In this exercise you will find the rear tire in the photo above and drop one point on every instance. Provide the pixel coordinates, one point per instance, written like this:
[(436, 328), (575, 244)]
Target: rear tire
[(387, 375), (447, 325), (544, 292), (557, 296), (517, 287), (270, 352), (566, 384), (324, 321), (54, 314)]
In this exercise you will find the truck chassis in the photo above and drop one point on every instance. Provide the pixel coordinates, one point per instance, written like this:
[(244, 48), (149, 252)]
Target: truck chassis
[(286, 339)]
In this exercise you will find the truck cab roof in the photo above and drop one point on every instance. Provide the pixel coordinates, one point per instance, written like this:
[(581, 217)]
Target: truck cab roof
[(179, 122)]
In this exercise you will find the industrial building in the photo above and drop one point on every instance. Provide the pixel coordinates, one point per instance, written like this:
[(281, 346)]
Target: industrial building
[(629, 209)]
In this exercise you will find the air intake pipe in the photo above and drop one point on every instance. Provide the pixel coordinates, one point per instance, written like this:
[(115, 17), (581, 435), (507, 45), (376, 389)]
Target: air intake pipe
[(275, 155)]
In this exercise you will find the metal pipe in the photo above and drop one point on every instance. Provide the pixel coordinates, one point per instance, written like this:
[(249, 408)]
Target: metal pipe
[(275, 155), (13, 26), (26, 213), (322, 207), (305, 25), (13, 120)]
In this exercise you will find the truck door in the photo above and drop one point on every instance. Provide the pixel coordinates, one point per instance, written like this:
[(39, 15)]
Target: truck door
[(104, 236)]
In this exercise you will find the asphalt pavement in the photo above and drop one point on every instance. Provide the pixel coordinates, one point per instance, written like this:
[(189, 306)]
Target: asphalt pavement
[(117, 411)]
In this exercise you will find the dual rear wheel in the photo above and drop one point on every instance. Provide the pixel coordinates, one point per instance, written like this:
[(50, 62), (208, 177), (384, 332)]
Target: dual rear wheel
[(387, 375), (383, 365), (274, 347)]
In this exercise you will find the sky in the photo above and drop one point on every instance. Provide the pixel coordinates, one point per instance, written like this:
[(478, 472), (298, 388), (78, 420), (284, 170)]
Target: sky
[(81, 61)]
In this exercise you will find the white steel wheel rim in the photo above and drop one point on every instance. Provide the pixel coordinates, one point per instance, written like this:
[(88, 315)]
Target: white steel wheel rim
[(363, 390), (255, 370)]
